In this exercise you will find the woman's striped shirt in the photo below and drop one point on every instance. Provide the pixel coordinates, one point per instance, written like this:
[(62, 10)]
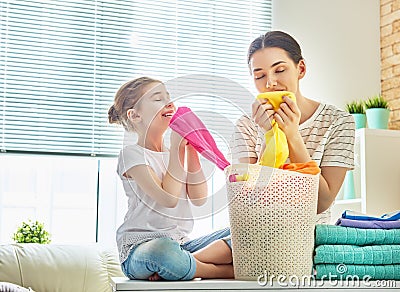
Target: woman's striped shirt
[(328, 135)]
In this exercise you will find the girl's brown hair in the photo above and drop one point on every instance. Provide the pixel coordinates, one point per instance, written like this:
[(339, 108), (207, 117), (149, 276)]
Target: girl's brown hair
[(126, 98)]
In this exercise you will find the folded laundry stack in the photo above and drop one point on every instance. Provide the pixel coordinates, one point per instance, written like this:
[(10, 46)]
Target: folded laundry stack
[(359, 245)]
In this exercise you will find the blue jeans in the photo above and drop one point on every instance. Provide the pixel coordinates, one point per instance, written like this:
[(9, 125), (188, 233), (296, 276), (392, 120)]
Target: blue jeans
[(166, 257)]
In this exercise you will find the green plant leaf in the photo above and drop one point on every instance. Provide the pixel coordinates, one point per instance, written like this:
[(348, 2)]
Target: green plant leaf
[(31, 232), (355, 107), (376, 102)]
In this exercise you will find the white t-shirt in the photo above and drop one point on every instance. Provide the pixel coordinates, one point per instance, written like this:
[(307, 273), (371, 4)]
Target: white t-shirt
[(145, 218), (328, 135)]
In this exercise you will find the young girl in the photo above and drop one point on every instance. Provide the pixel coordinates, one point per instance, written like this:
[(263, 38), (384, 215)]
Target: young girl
[(159, 184)]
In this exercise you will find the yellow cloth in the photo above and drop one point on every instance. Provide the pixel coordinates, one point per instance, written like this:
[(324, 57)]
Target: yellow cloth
[(276, 148)]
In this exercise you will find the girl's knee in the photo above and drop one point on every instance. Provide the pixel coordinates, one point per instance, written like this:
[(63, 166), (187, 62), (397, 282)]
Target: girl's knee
[(165, 257), (157, 250)]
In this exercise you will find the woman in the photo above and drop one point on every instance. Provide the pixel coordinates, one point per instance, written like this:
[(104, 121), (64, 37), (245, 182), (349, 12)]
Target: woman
[(314, 131)]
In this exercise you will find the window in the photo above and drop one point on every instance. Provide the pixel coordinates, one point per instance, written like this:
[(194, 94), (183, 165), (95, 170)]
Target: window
[(61, 63)]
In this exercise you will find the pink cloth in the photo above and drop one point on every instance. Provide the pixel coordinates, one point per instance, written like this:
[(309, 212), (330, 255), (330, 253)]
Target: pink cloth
[(190, 127)]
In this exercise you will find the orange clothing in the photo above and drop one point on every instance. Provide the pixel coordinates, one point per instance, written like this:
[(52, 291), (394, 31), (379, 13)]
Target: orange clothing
[(310, 167)]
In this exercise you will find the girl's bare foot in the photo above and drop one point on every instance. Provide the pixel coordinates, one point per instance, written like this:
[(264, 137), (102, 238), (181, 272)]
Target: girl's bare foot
[(154, 277)]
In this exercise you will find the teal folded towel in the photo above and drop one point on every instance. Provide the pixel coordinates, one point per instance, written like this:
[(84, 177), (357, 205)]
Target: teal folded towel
[(360, 255), (341, 271), (332, 234)]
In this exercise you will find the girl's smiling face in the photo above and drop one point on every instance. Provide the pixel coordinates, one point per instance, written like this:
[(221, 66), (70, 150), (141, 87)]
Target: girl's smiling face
[(155, 108), (273, 70)]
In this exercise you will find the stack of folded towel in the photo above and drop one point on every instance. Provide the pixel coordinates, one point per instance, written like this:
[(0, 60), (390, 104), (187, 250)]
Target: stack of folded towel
[(359, 245)]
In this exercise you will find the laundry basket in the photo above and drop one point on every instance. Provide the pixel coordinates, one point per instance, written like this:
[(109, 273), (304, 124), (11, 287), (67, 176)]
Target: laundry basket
[(272, 216)]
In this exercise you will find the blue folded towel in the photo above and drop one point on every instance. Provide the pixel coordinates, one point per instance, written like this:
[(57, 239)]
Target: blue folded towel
[(332, 234), (368, 224), (360, 255), (348, 214), (340, 271)]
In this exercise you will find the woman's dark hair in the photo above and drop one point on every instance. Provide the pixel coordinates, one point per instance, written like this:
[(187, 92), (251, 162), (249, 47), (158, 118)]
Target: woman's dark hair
[(276, 39)]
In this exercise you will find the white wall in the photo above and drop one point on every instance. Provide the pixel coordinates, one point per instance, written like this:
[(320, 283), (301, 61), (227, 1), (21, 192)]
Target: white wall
[(340, 41)]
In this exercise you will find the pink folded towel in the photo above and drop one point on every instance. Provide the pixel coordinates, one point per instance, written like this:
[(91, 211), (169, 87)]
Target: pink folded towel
[(190, 127)]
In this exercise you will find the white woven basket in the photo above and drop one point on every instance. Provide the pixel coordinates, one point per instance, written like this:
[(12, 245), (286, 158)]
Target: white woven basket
[(272, 217)]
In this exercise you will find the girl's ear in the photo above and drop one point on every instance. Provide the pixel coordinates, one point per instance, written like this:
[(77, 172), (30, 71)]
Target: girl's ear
[(132, 115), (302, 68)]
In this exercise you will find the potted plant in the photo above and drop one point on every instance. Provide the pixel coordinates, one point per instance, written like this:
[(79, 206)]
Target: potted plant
[(377, 110), (356, 109), (31, 232)]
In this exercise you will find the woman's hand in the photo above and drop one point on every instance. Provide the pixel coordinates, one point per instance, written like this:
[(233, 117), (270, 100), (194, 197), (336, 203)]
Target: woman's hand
[(262, 113), (288, 117)]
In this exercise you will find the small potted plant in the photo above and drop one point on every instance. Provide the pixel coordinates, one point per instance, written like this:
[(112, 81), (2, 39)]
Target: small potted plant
[(356, 109), (31, 232), (377, 110)]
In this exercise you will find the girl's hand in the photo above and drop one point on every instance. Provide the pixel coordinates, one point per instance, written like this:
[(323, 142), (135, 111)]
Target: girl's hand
[(192, 159), (177, 141), (288, 117), (262, 113)]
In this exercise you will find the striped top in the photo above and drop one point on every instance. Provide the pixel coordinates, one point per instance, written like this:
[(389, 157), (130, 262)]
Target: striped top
[(328, 135)]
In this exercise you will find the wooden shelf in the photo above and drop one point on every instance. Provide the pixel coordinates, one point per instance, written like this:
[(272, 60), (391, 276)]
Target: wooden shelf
[(376, 173)]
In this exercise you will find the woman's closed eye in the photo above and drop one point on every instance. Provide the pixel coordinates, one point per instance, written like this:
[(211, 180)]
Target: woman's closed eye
[(257, 77)]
